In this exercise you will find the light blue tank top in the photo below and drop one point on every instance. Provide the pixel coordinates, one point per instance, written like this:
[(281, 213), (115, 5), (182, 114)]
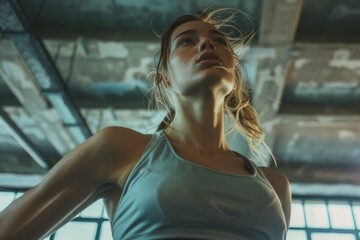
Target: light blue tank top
[(166, 196)]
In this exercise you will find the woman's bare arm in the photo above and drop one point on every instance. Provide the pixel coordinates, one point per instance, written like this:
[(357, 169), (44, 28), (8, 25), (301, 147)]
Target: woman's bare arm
[(71, 185)]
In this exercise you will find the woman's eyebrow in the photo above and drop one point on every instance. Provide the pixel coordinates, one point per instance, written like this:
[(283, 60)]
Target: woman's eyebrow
[(193, 31), (190, 31)]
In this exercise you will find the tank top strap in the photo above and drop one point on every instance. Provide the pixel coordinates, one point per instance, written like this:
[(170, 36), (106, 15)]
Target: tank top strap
[(260, 171), (249, 165), (262, 175), (152, 142)]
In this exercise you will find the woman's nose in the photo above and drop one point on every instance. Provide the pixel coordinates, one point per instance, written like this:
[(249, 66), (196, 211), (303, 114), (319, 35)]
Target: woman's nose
[(207, 44)]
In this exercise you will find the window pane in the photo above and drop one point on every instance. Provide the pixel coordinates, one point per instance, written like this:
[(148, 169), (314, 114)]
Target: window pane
[(332, 236), (296, 235), (316, 214), (94, 210), (340, 215), (76, 231), (356, 209), (105, 231), (5, 199), (18, 194), (297, 214), (104, 215)]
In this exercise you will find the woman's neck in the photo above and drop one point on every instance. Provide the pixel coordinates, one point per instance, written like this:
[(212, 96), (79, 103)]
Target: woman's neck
[(199, 125)]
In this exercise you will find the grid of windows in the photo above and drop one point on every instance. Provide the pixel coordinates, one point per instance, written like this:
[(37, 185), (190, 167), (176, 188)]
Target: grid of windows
[(312, 218), (318, 218)]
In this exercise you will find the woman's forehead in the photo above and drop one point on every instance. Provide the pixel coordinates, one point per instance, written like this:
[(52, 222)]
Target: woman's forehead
[(198, 26)]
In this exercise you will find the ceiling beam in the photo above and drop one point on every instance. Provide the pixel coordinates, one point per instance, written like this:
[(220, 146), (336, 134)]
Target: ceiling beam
[(34, 105), (279, 22), (23, 140), (15, 27)]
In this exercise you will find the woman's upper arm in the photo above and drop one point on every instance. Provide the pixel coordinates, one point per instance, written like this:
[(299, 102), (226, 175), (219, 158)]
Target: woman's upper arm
[(72, 184), (282, 187)]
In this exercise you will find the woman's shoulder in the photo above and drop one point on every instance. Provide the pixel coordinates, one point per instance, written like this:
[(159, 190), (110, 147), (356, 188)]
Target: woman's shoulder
[(115, 131), (277, 179), (121, 142), (273, 174), (279, 182), (119, 136)]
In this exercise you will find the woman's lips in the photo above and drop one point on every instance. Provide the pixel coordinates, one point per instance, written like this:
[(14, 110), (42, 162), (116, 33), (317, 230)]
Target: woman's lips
[(209, 58)]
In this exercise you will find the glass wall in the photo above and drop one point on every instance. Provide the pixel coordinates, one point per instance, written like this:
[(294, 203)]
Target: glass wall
[(316, 218)]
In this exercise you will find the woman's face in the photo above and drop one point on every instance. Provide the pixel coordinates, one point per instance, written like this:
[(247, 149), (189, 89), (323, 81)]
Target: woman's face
[(200, 59)]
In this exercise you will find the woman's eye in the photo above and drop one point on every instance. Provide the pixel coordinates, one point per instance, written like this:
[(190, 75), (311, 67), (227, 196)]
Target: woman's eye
[(186, 41)]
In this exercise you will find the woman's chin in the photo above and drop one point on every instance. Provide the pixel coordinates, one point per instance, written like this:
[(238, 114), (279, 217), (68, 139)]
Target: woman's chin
[(215, 80), (216, 73)]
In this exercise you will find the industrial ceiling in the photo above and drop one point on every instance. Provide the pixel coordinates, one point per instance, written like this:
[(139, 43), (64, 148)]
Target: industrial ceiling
[(69, 68)]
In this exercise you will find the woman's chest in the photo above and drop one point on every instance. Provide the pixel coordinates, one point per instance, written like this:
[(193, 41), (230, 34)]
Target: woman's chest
[(227, 163)]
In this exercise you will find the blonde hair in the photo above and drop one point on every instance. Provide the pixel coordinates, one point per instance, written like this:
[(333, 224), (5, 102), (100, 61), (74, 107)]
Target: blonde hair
[(237, 103)]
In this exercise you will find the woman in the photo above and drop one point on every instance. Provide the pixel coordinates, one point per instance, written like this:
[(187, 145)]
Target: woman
[(183, 181)]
